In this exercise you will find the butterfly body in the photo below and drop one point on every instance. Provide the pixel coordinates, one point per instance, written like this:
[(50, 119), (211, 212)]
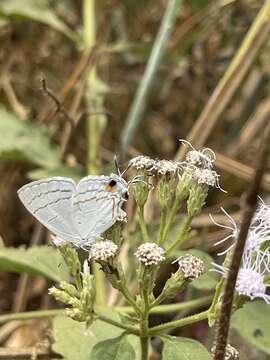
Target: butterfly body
[(78, 213)]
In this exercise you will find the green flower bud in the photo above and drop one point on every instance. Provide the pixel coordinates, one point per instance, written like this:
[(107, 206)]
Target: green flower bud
[(196, 200), (69, 289), (71, 258)]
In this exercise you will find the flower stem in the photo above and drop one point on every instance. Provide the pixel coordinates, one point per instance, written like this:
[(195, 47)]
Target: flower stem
[(130, 329), (169, 221), (143, 224), (182, 235), (178, 323), (162, 225)]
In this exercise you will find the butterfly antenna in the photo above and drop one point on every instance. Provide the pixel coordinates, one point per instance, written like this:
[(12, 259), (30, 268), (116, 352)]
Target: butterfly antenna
[(126, 169), (117, 165)]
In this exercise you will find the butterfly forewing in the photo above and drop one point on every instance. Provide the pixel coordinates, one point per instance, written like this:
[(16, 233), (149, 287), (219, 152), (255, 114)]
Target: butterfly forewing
[(50, 201)]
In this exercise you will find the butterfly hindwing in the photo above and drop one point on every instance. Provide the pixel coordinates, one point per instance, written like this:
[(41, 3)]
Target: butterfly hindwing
[(95, 209)]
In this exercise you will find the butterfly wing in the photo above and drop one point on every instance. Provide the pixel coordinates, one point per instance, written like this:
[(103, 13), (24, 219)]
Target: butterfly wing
[(95, 208), (50, 201)]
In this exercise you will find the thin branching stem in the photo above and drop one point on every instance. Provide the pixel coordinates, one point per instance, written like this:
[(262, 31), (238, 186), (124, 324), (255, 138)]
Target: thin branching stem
[(249, 209), (178, 323), (181, 237)]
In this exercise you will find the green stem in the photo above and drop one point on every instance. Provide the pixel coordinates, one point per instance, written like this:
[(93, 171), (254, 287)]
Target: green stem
[(143, 224), (28, 315), (162, 225), (130, 329), (130, 299), (182, 235), (178, 323), (184, 306), (139, 104), (144, 348), (170, 219)]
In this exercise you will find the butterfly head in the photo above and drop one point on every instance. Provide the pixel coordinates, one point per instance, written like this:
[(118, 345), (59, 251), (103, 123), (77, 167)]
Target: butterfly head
[(117, 183)]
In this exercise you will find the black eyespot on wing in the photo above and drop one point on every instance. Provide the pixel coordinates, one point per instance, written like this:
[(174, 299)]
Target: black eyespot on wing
[(112, 183), (126, 195)]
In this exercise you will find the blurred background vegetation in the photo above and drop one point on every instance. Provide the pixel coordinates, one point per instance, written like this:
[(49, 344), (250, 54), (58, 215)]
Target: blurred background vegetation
[(92, 59)]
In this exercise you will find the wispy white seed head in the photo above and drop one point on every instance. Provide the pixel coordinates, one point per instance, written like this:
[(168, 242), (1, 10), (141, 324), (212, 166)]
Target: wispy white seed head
[(231, 226), (256, 237), (250, 279), (150, 254), (165, 167), (202, 158), (191, 266), (122, 216), (103, 250), (58, 241), (262, 215), (141, 162)]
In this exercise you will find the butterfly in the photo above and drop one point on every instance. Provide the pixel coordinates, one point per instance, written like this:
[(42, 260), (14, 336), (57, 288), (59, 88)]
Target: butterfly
[(77, 213)]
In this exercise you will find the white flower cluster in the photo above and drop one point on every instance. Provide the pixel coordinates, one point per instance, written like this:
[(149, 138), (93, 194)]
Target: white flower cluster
[(103, 250), (255, 262), (199, 164), (191, 266), (150, 254), (141, 162), (163, 167)]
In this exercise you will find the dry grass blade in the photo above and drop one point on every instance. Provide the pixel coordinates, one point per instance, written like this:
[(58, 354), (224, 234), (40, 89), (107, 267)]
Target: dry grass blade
[(240, 170), (229, 83), (249, 209)]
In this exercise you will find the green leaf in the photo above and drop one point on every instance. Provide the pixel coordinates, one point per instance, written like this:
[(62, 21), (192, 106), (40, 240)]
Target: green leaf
[(35, 10), (25, 141), (179, 348), (252, 323), (37, 260), (209, 279), (113, 349), (73, 341)]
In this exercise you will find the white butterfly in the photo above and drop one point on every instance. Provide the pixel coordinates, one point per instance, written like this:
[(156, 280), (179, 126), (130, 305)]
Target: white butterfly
[(78, 213)]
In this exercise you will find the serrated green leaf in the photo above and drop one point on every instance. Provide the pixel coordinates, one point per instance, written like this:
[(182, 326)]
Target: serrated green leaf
[(252, 323), (25, 141), (113, 349), (179, 348), (35, 10), (71, 337), (37, 260)]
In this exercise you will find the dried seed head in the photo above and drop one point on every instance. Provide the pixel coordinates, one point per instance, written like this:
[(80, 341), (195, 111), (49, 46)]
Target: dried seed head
[(204, 158), (191, 266), (165, 167), (150, 254), (207, 177), (103, 250), (141, 162)]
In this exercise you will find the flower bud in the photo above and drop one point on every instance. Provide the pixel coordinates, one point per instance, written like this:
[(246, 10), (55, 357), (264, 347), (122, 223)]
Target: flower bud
[(71, 259), (150, 254), (196, 200)]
